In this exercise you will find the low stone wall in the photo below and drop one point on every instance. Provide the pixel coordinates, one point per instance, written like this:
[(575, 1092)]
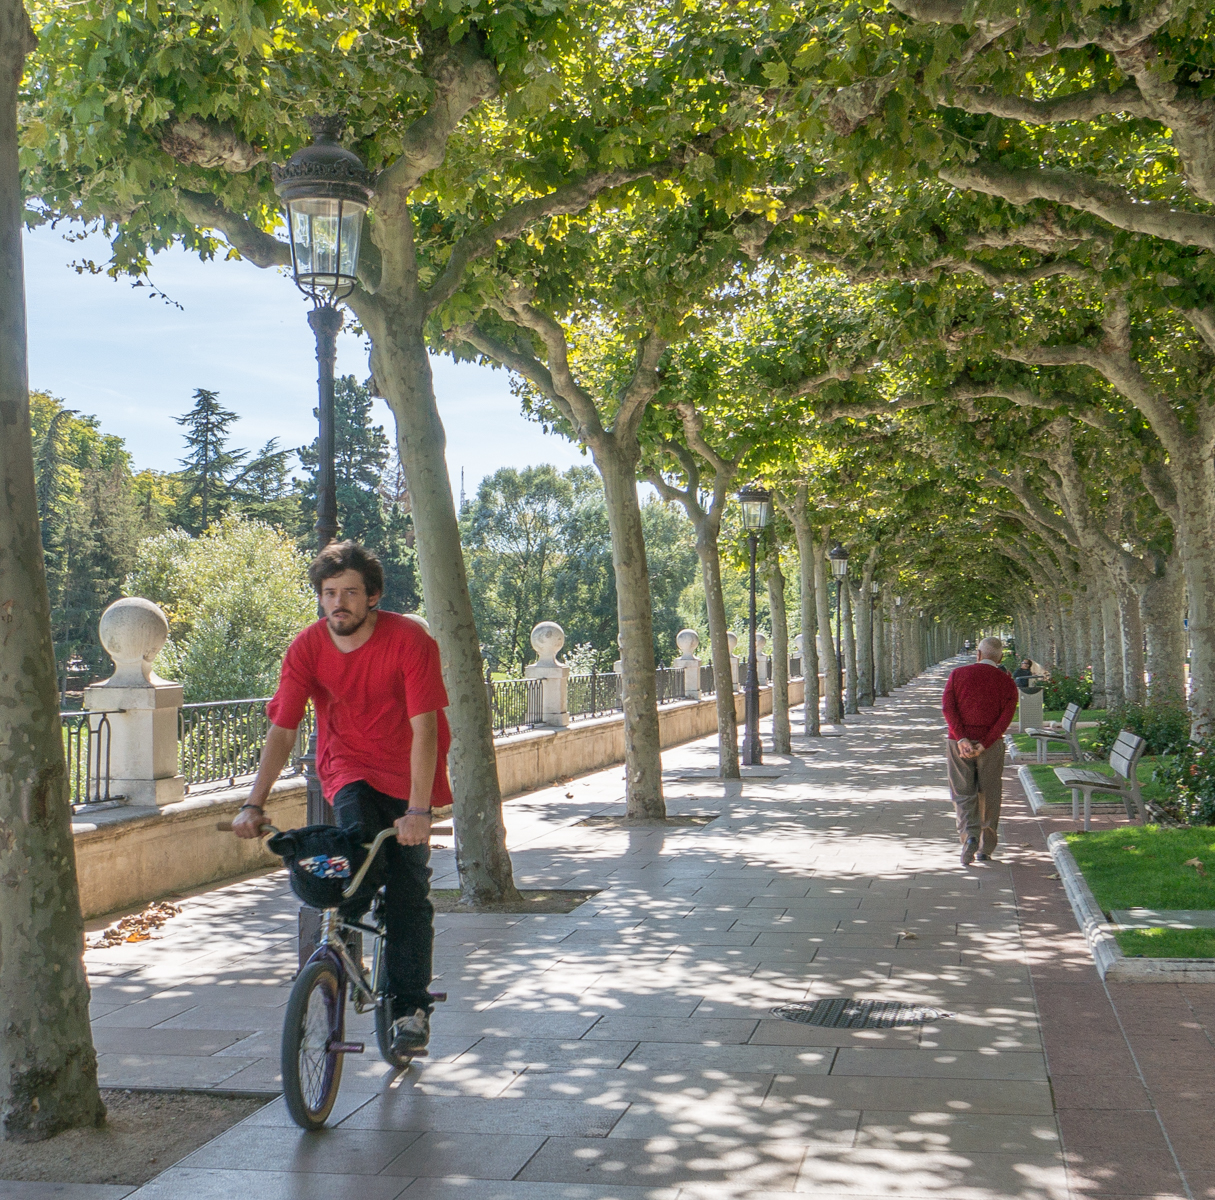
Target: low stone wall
[(126, 857)]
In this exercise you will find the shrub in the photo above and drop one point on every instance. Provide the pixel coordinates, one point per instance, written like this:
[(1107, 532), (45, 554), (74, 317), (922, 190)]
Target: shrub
[(1165, 726), (1062, 690), (1190, 776)]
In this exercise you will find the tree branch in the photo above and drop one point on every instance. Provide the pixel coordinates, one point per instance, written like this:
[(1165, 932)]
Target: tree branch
[(202, 144), (1082, 192), (259, 247)]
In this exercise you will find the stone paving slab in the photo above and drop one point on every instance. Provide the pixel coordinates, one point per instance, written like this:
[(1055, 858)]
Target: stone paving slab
[(627, 1051)]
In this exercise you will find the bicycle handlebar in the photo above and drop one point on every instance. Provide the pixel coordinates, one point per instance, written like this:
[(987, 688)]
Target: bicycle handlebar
[(380, 839)]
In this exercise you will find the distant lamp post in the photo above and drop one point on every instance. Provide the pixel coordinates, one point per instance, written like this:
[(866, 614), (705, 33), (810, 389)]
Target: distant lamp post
[(756, 504), (325, 190), (839, 570), (875, 591)]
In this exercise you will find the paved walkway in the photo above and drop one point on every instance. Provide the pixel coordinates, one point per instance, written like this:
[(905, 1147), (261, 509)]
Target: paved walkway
[(627, 1051)]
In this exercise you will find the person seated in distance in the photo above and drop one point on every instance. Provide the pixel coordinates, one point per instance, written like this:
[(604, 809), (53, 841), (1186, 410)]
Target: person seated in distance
[(381, 753), (979, 702)]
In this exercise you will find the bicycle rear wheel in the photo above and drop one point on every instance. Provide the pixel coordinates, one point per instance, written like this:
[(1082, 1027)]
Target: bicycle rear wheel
[(313, 1022)]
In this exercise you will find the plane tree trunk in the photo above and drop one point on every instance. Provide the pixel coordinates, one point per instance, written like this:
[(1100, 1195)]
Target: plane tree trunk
[(48, 1069)]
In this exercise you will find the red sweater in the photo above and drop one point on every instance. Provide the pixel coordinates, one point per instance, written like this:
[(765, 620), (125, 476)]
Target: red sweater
[(979, 703)]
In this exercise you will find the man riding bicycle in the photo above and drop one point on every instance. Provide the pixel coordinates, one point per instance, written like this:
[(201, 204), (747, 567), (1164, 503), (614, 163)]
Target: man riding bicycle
[(381, 754)]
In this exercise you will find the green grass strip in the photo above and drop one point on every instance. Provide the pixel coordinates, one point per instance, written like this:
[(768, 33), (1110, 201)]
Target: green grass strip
[(1053, 792), (1144, 866), (1167, 943)]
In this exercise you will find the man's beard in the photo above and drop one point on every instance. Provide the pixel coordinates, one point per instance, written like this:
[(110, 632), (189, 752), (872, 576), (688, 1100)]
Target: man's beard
[(352, 629)]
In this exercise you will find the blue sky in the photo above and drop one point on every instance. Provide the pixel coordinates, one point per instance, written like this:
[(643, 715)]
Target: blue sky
[(133, 361)]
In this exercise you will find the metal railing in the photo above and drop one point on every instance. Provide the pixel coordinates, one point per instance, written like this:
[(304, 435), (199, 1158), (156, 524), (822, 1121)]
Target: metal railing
[(706, 679), (86, 747), (795, 668), (595, 694), (222, 739), (515, 704), (669, 682)]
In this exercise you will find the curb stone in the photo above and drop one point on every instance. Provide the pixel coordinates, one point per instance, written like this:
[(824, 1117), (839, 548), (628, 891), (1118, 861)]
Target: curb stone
[(1112, 964)]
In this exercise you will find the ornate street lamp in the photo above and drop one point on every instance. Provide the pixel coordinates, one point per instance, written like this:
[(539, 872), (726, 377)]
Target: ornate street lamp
[(325, 190), (839, 570), (756, 504)]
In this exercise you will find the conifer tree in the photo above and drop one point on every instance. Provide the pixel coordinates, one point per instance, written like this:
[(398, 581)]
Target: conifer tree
[(209, 465)]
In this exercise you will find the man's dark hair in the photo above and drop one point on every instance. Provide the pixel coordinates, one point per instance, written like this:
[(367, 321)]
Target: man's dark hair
[(338, 557)]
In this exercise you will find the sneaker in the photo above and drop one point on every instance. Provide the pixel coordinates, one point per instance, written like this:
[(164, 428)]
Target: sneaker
[(411, 1032), (969, 851), (981, 857)]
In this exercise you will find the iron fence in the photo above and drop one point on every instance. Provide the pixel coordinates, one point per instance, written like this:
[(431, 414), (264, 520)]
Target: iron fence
[(795, 668), (222, 739), (595, 694), (669, 682), (86, 747), (515, 704), (706, 679)]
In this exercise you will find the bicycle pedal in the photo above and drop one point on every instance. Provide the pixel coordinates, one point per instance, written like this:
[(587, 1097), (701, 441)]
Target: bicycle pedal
[(346, 1047), (438, 997)]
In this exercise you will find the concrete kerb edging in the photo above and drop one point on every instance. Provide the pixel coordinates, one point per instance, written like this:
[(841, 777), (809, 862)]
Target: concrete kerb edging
[(1112, 964)]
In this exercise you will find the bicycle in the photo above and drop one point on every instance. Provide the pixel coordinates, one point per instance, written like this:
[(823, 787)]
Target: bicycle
[(314, 1025)]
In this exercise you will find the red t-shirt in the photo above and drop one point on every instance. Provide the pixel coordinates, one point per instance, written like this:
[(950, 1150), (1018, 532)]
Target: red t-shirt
[(363, 701), (979, 703)]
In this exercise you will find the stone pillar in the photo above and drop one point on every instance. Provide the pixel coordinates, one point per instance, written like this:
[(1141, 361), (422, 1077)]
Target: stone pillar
[(141, 707), (732, 641), (761, 658), (547, 639), (687, 640)]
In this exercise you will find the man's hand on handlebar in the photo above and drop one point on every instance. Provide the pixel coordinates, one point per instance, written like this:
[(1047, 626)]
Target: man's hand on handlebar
[(249, 822), (413, 829)]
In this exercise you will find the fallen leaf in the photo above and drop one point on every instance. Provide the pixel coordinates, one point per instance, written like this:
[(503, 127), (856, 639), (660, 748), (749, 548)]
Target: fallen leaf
[(1130, 847), (137, 927), (1055, 876), (1196, 863), (911, 937), (138, 937), (569, 795)]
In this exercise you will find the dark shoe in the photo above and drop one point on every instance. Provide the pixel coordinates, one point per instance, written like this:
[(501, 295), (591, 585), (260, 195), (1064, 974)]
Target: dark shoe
[(980, 857), (969, 851), (411, 1032)]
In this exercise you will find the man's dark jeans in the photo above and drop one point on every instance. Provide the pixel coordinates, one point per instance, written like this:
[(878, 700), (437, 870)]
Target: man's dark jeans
[(409, 916)]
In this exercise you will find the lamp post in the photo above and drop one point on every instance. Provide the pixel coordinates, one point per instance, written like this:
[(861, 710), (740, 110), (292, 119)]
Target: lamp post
[(325, 190), (839, 570), (875, 590), (756, 504)]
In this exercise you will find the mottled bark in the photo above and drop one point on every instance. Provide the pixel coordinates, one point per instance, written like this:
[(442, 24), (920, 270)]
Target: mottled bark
[(794, 507), (864, 635), (851, 706), (48, 1070), (401, 367), (781, 732), (1162, 608), (1111, 642), (826, 646), (1096, 647)]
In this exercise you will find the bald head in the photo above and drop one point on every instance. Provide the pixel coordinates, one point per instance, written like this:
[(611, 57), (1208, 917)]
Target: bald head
[(991, 649)]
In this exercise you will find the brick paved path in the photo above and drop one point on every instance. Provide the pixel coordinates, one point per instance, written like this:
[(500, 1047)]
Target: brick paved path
[(627, 1050)]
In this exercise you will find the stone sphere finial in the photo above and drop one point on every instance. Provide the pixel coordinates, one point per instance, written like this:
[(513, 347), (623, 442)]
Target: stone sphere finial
[(798, 645), (761, 642), (732, 641), (687, 640), (133, 632), (547, 639)]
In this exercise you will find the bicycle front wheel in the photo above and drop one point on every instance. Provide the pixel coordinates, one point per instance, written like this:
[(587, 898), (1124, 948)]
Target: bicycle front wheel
[(313, 1023)]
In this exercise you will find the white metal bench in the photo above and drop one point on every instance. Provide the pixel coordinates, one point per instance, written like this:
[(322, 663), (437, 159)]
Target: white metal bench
[(1124, 759), (1064, 731)]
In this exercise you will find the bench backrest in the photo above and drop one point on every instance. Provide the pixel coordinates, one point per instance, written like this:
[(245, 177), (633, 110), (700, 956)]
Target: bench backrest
[(1070, 716), (1125, 755)]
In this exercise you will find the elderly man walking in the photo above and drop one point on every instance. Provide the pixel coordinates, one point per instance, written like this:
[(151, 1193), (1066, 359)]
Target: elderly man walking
[(979, 702)]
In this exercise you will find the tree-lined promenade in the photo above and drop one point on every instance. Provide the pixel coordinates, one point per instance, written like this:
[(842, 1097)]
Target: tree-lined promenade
[(937, 274)]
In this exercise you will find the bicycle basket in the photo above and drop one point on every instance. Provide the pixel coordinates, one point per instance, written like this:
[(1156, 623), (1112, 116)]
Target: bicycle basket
[(321, 860)]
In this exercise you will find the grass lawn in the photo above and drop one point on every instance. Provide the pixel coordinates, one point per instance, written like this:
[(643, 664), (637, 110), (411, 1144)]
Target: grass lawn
[(1086, 714), (1053, 792), (1088, 740), (1144, 866)]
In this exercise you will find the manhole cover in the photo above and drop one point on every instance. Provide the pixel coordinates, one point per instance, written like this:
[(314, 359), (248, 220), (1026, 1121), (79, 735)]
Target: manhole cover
[(841, 1013)]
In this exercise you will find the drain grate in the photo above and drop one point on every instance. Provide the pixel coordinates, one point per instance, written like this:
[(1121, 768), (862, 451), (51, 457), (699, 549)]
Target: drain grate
[(842, 1013)]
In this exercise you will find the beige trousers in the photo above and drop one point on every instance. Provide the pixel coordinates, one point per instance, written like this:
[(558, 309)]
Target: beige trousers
[(976, 786)]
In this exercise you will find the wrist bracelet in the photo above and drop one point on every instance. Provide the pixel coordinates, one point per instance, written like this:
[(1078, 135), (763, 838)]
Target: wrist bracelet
[(257, 806), (417, 812)]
